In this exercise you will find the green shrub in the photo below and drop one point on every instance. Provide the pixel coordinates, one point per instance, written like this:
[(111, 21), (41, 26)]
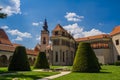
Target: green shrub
[(85, 59), (117, 63), (19, 61), (41, 61)]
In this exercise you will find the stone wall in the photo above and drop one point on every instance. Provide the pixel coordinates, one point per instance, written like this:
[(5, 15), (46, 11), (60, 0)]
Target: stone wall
[(104, 56), (5, 58), (116, 47)]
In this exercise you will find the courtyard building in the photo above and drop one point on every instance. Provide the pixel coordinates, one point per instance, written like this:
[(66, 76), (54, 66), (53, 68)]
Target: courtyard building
[(7, 49), (63, 45), (60, 47)]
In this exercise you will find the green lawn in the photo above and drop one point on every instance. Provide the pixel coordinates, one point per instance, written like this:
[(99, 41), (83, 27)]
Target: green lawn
[(107, 73), (28, 75), (56, 67), (3, 70)]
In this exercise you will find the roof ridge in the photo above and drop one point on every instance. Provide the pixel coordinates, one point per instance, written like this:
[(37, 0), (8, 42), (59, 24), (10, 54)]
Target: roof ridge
[(58, 27)]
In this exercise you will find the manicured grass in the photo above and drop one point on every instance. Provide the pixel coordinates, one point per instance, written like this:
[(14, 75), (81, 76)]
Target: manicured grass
[(55, 67), (3, 70), (25, 75), (29, 75), (107, 73)]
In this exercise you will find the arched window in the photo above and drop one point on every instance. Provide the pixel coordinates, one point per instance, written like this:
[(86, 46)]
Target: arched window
[(3, 61), (30, 61), (44, 40), (56, 56), (63, 56)]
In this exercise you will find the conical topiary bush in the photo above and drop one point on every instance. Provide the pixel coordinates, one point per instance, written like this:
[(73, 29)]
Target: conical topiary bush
[(85, 59), (19, 61), (41, 61)]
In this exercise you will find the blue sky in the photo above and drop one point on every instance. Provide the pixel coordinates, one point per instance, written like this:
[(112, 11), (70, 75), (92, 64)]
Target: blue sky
[(80, 17)]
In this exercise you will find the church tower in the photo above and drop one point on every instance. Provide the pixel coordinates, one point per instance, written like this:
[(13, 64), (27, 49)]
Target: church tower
[(44, 36)]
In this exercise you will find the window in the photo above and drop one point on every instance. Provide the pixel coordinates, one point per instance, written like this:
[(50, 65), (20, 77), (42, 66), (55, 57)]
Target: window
[(117, 42), (63, 33), (56, 32), (56, 42), (63, 56), (44, 40), (118, 57), (56, 56), (63, 42)]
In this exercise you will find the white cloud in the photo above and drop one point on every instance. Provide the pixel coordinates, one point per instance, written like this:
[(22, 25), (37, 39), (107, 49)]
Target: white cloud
[(20, 34), (18, 39), (11, 7), (75, 30), (78, 31), (4, 27), (37, 23), (92, 32), (71, 16)]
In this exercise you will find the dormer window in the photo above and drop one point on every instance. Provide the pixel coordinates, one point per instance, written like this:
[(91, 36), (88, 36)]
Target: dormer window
[(63, 33), (56, 32)]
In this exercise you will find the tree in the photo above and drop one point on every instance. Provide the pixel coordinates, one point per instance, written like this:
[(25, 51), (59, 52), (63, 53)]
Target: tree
[(19, 61), (2, 15), (41, 62), (85, 59)]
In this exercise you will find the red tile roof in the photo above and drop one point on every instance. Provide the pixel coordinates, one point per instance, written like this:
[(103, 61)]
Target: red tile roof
[(11, 48), (4, 38), (4, 41), (115, 31), (93, 37), (15, 44), (6, 45), (59, 28)]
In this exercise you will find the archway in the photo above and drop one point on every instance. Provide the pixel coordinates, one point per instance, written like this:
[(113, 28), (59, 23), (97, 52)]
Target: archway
[(3, 61), (30, 61)]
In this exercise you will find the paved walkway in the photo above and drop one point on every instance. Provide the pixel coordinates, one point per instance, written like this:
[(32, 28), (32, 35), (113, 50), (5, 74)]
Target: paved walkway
[(55, 76)]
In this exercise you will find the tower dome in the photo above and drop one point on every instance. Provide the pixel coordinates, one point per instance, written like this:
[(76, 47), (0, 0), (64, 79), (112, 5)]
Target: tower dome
[(4, 38)]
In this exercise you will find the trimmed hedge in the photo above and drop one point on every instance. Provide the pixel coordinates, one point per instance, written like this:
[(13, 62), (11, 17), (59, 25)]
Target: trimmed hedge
[(41, 61), (85, 59), (19, 61)]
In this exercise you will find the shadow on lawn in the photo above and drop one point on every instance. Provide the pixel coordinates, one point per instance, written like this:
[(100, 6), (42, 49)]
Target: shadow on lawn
[(105, 72), (22, 76)]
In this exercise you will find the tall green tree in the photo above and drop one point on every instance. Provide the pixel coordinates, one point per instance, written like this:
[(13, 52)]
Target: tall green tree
[(19, 61), (85, 59), (41, 61), (2, 15)]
